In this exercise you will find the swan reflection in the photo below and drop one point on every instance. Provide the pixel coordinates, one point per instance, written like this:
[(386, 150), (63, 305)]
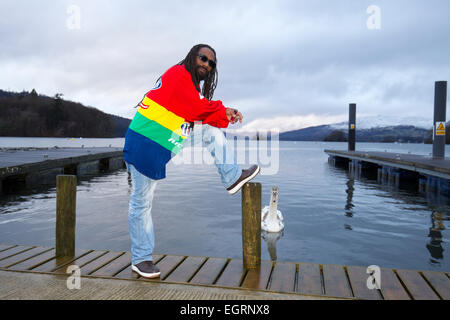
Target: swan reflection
[(271, 239)]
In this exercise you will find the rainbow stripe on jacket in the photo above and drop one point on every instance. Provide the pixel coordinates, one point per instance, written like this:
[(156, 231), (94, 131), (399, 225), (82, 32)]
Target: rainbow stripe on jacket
[(158, 134), (155, 122)]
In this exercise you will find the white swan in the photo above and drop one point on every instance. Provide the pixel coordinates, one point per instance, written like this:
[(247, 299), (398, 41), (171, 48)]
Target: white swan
[(271, 218)]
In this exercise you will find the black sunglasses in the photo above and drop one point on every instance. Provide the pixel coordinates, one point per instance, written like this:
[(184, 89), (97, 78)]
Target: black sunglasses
[(204, 58)]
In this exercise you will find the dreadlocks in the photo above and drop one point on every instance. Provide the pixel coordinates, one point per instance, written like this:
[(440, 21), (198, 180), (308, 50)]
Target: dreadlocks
[(210, 82)]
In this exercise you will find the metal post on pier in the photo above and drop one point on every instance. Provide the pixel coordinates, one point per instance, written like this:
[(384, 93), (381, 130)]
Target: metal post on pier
[(66, 191), (251, 225), (351, 126), (440, 106)]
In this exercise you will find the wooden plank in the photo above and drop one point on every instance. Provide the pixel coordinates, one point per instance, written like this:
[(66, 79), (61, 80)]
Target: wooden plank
[(114, 266), (81, 261), (335, 281), (60, 261), (14, 250), (416, 285), (186, 270), (100, 262), (4, 247), (232, 274), (283, 277), (391, 287), (157, 258), (258, 278), (358, 280), (210, 271), (8, 262), (166, 265), (440, 283), (34, 261), (309, 279), (127, 273)]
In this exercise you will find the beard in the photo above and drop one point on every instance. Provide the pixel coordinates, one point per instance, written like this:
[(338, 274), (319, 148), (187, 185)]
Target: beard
[(202, 73)]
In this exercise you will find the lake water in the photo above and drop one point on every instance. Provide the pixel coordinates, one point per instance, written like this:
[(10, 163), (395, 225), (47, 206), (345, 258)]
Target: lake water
[(329, 216)]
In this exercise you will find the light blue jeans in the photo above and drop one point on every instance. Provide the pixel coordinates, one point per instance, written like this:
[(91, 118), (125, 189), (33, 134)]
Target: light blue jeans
[(140, 207)]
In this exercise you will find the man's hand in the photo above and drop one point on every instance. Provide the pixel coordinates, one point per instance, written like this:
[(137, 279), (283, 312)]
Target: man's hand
[(233, 115)]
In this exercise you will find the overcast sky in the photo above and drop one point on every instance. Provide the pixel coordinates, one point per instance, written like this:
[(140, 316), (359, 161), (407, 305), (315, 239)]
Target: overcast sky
[(284, 64)]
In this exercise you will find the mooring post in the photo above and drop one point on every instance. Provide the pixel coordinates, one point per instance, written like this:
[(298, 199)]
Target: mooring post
[(66, 191), (251, 225), (440, 105), (351, 126)]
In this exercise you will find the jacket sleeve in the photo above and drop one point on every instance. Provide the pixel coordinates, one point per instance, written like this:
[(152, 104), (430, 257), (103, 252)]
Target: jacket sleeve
[(196, 107), (217, 119)]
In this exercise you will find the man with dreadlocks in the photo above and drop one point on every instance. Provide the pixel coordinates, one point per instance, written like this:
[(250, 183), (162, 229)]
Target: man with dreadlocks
[(158, 131)]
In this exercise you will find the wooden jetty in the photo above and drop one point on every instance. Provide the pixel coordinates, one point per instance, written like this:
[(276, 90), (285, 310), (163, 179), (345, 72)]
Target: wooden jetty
[(428, 173), (31, 167), (296, 278)]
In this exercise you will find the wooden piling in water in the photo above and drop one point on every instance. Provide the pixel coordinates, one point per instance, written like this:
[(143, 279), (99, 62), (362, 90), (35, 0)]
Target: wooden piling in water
[(439, 119), (351, 126), (251, 225), (66, 191)]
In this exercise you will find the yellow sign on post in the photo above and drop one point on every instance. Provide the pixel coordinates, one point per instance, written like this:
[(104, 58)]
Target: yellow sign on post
[(440, 128)]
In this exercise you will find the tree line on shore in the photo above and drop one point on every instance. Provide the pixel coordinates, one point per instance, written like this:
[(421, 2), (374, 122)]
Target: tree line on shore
[(27, 114)]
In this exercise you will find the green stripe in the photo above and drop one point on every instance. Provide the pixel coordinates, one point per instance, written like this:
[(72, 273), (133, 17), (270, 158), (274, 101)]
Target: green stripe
[(156, 132)]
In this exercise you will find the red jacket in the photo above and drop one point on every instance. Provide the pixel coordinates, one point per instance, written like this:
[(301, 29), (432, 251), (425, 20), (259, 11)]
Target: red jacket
[(180, 96), (161, 124)]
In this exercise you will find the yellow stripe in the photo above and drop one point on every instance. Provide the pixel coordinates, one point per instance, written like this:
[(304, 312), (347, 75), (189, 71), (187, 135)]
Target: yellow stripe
[(161, 115)]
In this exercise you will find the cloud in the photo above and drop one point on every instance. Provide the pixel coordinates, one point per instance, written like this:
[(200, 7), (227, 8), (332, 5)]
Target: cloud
[(302, 60)]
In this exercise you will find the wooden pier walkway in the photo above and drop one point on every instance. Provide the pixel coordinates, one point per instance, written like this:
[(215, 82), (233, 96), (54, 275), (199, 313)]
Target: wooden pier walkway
[(411, 162), (31, 167), (414, 171), (294, 278)]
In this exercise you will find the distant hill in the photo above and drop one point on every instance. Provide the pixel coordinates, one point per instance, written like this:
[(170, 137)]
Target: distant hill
[(120, 125), (399, 133), (316, 133), (27, 114)]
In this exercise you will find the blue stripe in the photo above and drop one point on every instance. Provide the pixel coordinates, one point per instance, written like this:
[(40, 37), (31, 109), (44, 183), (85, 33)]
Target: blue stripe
[(147, 156)]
